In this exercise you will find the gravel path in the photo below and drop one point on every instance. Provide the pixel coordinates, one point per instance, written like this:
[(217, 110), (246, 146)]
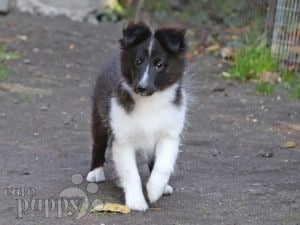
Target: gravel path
[(232, 167)]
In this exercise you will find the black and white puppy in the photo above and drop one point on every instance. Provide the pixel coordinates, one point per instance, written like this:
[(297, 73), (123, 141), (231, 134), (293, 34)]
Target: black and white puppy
[(139, 105)]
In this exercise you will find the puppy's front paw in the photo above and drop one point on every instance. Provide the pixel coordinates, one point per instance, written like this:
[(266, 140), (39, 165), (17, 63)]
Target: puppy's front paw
[(168, 190), (154, 190), (96, 175), (136, 202)]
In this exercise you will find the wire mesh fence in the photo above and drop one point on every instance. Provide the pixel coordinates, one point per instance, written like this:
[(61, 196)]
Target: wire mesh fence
[(286, 33), (279, 19)]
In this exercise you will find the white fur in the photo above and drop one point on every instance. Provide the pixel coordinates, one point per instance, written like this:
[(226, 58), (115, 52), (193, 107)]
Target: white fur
[(150, 47), (145, 77), (154, 124), (96, 175), (168, 190)]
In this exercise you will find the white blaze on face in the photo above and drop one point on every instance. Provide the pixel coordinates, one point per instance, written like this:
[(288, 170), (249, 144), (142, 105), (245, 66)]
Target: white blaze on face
[(150, 47), (145, 77)]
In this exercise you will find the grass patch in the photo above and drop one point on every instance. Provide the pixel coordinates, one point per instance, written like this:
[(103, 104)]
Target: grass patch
[(3, 71), (226, 12), (265, 88), (291, 81), (6, 55), (252, 59)]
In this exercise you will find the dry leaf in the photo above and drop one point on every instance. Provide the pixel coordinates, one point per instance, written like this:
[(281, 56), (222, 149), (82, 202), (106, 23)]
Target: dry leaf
[(227, 53), (190, 57), (270, 77), (213, 48), (111, 207), (294, 126), (238, 30), (225, 74), (68, 77), (72, 46), (156, 209), (20, 89), (289, 144), (5, 40)]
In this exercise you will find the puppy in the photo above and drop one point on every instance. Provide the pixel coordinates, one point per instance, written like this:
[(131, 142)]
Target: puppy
[(139, 105)]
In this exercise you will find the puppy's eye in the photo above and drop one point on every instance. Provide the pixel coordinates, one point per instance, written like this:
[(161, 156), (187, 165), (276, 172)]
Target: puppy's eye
[(138, 62), (159, 65)]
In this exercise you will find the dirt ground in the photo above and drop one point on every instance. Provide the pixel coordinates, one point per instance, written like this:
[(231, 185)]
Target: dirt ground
[(232, 168)]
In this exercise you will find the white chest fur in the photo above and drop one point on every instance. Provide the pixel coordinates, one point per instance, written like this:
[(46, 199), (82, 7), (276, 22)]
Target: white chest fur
[(153, 117)]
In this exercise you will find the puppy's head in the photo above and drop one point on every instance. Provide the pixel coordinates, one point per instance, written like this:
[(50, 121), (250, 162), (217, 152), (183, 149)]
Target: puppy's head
[(152, 61)]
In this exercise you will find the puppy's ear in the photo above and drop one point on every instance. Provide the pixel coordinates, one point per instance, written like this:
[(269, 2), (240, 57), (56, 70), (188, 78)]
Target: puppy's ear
[(172, 39), (134, 34)]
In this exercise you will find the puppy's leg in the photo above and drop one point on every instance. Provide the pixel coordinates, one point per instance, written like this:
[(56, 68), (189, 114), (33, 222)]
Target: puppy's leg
[(124, 158), (100, 138), (166, 154), (168, 189)]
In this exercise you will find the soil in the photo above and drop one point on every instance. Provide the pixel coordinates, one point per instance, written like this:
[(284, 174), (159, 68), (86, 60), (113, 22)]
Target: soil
[(232, 168)]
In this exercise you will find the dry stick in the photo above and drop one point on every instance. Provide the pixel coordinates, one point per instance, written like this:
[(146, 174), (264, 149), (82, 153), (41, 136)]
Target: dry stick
[(138, 10)]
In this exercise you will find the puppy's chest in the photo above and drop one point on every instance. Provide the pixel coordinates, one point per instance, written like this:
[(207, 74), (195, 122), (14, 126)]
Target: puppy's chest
[(146, 123)]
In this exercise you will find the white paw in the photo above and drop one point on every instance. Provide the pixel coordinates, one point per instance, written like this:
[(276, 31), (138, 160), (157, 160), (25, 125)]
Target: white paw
[(154, 191), (168, 190), (96, 175), (136, 202)]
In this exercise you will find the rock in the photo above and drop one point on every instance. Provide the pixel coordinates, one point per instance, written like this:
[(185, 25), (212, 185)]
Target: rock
[(44, 108), (4, 6), (35, 50), (26, 61), (265, 154), (76, 10), (22, 37)]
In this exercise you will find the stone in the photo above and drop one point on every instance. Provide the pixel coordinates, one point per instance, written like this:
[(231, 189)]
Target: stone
[(4, 6), (76, 10)]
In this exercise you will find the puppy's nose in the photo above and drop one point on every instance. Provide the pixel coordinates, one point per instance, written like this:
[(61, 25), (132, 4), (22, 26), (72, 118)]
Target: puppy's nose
[(144, 89), (141, 89)]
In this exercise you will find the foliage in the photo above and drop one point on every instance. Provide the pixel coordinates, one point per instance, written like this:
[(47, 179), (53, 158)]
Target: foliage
[(6, 55), (253, 58), (196, 12), (3, 72), (291, 81), (265, 88), (115, 12)]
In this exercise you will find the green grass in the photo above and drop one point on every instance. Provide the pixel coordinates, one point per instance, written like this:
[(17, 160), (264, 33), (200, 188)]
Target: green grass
[(265, 88), (226, 12), (6, 55), (252, 59), (3, 72), (291, 81)]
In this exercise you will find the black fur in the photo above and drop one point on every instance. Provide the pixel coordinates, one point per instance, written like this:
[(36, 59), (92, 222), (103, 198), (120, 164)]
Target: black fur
[(122, 72)]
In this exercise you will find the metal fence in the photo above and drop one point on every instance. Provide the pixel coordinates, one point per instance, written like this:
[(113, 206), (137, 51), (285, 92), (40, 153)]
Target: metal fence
[(286, 33)]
